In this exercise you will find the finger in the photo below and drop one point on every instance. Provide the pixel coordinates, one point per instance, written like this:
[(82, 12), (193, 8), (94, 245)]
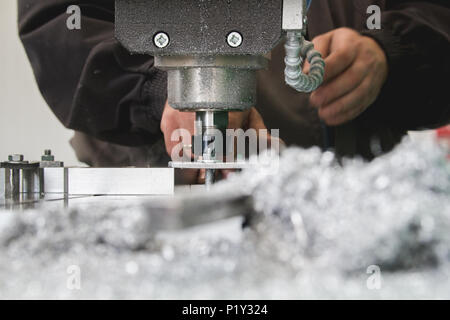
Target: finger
[(349, 106), (173, 120), (322, 43), (340, 86), (337, 62), (255, 120), (226, 173), (186, 177), (168, 128), (201, 176), (238, 119)]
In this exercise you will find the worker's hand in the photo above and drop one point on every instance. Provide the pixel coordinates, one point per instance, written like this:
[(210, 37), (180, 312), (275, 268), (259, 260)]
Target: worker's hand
[(356, 70), (173, 119)]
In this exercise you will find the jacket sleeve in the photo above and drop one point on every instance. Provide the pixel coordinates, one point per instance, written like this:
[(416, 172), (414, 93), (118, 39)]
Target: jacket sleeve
[(415, 36), (88, 79)]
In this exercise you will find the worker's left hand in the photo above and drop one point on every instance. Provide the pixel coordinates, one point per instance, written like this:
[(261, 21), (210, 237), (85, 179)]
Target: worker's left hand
[(356, 70), (173, 120)]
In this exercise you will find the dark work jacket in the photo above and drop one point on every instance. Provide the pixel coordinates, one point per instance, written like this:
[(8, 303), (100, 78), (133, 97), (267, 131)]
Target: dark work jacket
[(114, 100)]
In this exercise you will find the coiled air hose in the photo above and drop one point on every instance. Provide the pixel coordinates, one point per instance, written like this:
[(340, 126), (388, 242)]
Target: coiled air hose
[(297, 50)]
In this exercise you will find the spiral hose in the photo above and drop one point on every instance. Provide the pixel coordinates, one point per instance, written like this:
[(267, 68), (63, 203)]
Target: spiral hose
[(297, 50)]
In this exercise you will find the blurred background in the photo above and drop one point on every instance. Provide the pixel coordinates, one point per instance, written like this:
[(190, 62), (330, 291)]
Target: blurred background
[(27, 126)]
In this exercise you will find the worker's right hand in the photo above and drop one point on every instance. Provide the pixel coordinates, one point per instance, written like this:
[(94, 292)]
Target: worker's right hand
[(356, 69), (173, 120)]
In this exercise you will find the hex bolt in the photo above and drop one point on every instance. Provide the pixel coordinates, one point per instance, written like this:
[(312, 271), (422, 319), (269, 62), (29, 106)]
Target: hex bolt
[(48, 156), (234, 39), (16, 158), (161, 40)]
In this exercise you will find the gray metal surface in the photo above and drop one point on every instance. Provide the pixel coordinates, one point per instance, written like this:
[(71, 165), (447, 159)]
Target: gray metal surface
[(211, 89), (293, 11), (212, 83), (33, 183), (109, 181), (219, 61), (30, 181), (2, 182), (19, 177), (54, 180), (211, 165), (197, 27)]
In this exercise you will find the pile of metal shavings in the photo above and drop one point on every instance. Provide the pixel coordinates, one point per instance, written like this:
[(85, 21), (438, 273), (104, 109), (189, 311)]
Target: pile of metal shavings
[(320, 231)]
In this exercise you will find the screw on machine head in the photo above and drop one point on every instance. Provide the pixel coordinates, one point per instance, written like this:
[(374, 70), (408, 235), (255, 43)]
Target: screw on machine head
[(161, 40), (234, 39)]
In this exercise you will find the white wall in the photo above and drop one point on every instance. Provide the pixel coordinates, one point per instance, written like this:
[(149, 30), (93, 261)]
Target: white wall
[(27, 125)]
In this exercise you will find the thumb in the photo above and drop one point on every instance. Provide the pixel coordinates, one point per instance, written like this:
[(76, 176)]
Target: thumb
[(255, 120)]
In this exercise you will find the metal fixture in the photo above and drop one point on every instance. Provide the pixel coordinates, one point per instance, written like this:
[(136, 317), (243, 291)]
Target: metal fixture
[(19, 177), (48, 160), (48, 156), (16, 158), (293, 13)]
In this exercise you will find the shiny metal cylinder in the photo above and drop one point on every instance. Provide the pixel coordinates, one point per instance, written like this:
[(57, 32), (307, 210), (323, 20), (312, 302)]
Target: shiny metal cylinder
[(208, 127), (213, 83)]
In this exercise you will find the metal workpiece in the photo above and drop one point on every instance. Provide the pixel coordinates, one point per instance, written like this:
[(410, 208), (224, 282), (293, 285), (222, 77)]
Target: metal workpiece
[(109, 181), (182, 212), (54, 180), (218, 83)]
